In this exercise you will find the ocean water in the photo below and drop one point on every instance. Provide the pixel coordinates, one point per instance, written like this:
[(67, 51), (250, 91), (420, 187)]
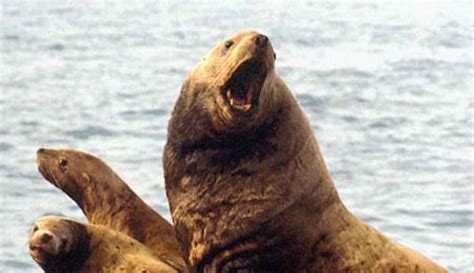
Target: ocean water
[(387, 86)]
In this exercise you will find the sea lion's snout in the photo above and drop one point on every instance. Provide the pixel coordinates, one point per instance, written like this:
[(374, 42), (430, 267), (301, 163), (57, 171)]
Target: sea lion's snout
[(52, 164), (261, 40), (43, 160), (42, 154), (43, 244)]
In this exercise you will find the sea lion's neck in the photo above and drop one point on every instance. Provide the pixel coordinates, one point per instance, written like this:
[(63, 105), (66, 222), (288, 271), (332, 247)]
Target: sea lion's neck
[(239, 186), (110, 202), (107, 197)]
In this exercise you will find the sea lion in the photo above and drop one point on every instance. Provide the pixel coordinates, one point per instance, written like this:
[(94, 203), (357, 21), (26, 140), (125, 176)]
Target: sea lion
[(107, 200), (247, 184), (60, 244)]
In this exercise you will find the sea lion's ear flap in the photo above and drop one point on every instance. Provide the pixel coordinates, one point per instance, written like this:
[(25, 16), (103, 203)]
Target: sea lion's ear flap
[(86, 178)]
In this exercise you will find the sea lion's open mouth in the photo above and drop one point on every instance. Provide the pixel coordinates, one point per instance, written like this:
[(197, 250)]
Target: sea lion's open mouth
[(242, 89)]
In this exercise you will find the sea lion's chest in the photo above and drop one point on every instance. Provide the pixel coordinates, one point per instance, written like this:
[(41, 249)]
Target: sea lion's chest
[(218, 209)]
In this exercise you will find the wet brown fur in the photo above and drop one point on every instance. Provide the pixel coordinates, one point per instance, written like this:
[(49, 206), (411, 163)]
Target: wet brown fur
[(107, 200), (103, 249), (252, 192)]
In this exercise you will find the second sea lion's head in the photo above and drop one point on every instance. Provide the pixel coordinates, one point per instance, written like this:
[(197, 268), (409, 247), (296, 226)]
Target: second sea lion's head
[(56, 241), (228, 86), (48, 240), (73, 171)]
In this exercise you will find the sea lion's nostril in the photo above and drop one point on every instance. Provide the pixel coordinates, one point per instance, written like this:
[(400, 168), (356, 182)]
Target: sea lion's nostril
[(261, 40), (46, 238)]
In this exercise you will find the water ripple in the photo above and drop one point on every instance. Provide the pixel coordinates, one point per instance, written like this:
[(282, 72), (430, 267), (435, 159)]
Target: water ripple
[(89, 131)]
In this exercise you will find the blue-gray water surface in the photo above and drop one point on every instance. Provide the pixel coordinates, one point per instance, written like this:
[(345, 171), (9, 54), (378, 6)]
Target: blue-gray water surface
[(387, 87)]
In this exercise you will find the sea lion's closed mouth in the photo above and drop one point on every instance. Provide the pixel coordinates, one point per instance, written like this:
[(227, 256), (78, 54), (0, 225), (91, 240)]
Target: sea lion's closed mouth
[(242, 87), (47, 175), (40, 256)]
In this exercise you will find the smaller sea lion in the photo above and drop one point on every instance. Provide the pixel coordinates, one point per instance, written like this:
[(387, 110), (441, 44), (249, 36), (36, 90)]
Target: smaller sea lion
[(107, 200), (60, 244)]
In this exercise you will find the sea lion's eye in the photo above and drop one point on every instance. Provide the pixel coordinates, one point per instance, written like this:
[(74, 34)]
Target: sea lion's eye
[(62, 163), (228, 44)]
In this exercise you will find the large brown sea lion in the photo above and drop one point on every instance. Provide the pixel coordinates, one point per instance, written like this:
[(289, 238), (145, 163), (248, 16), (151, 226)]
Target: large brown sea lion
[(247, 184), (60, 244), (107, 200)]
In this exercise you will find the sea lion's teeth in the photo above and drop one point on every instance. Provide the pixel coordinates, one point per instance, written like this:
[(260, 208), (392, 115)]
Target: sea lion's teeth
[(243, 107), (247, 107)]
